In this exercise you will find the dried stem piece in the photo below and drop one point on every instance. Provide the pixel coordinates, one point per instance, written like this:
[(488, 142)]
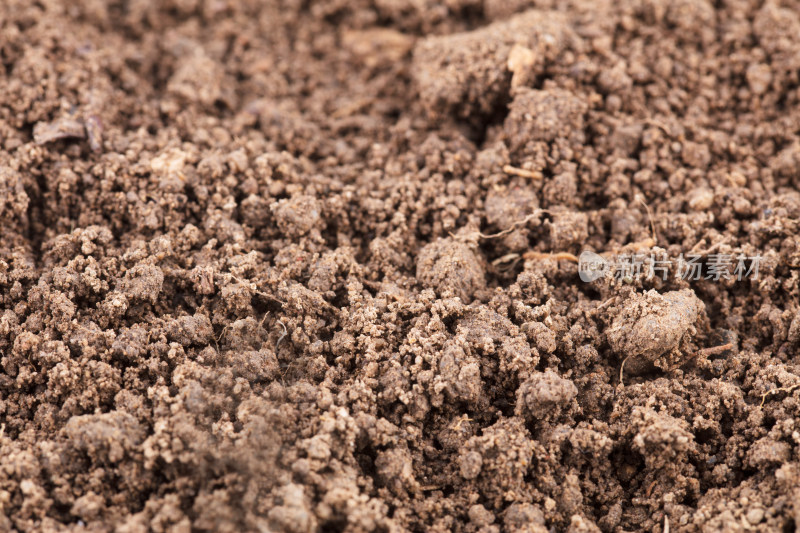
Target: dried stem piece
[(787, 390), (713, 350), (522, 173), (63, 128), (559, 256)]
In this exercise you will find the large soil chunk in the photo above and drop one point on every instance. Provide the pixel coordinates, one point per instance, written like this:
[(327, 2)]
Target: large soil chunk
[(451, 268), (143, 282), (544, 116), (298, 215), (544, 395), (497, 461), (651, 328), (467, 73)]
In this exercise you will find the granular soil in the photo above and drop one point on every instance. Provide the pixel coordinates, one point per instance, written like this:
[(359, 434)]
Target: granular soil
[(309, 266)]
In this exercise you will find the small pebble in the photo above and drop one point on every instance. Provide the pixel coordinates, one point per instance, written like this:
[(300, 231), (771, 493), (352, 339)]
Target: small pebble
[(755, 515)]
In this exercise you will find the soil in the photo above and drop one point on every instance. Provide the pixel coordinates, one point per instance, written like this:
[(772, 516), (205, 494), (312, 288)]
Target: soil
[(309, 266)]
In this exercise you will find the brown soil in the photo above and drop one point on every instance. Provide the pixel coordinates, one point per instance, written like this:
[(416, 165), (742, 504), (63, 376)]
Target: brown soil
[(289, 266)]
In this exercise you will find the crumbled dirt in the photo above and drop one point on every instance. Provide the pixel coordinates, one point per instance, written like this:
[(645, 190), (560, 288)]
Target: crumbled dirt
[(287, 266)]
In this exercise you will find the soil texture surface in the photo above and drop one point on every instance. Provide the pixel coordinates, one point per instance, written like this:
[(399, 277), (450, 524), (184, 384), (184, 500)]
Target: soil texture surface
[(293, 266)]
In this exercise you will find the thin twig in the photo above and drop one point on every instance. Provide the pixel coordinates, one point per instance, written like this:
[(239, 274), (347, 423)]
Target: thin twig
[(277, 344), (285, 332), (713, 350), (513, 226), (504, 259), (707, 251), (604, 304), (593, 312), (787, 390), (622, 370), (560, 256), (522, 173), (514, 258), (221, 334), (650, 217), (253, 287)]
